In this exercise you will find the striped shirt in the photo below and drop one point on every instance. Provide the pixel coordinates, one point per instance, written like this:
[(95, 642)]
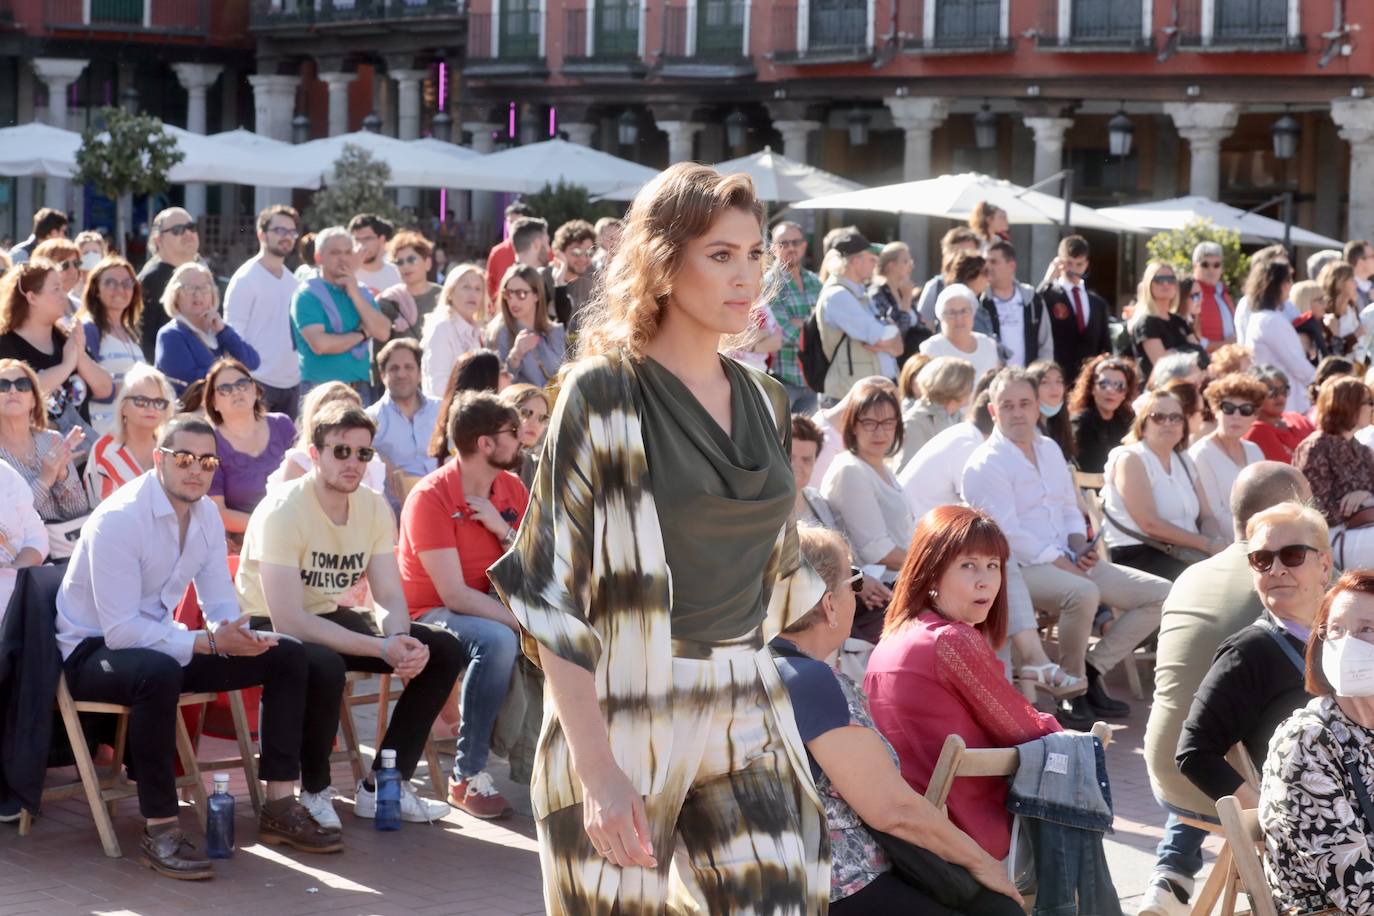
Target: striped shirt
[(111, 465), (792, 302)]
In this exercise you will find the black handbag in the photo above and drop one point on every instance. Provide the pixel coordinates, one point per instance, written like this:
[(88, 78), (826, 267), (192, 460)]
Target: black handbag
[(949, 885)]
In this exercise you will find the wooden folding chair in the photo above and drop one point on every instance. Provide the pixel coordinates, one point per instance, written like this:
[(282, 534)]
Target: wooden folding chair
[(104, 791), (1242, 836), (246, 760), (351, 750), (956, 760), (1222, 882)]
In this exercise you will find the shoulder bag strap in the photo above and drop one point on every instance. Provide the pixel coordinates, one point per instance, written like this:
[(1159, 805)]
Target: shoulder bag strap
[(1279, 635), (1352, 769)]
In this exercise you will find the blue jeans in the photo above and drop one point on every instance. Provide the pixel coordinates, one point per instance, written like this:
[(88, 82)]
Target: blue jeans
[(491, 648), (1179, 854), (801, 398)]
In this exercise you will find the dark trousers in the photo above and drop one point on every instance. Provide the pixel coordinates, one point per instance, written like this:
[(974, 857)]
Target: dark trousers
[(1148, 559), (889, 895), (415, 711), (282, 400), (150, 682)]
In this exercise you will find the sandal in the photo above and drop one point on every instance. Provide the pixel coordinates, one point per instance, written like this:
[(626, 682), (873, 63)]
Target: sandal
[(1052, 679)]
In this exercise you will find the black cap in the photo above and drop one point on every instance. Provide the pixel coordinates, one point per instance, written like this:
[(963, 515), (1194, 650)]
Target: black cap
[(850, 242)]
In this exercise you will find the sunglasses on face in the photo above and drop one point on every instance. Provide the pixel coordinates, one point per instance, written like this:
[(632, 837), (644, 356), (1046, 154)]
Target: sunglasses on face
[(1164, 419), (143, 403), (1278, 392), (519, 295), (184, 459), (114, 283), (1209, 265), (1245, 410), (872, 426), (181, 229), (855, 580), (228, 388), (409, 260), (68, 265), (578, 252), (1292, 556), (528, 414), (1106, 384), (1166, 279), (18, 384), (344, 452), (513, 430)]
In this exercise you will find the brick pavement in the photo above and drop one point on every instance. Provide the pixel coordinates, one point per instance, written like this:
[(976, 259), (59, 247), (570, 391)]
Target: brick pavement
[(458, 866)]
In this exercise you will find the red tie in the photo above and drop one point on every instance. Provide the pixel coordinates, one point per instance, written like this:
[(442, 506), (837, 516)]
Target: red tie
[(1079, 310)]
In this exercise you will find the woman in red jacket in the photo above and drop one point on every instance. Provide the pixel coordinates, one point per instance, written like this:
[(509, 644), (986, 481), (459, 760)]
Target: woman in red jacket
[(936, 673)]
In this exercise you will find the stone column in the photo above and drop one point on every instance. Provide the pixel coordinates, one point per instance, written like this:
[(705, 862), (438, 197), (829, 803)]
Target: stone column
[(681, 135), (57, 73), (484, 202), (337, 84), (408, 86), (918, 118), (795, 136), (1204, 125), (1049, 158), (580, 132), (196, 79), (1355, 120), (274, 101)]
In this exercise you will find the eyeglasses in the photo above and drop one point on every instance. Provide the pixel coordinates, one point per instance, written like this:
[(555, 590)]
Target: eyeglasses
[(282, 232), (958, 313), (143, 403), (68, 265), (195, 288), (578, 252), (1165, 419), (519, 295), (18, 384), (790, 243), (409, 260), (513, 430), (1209, 265), (181, 229), (1166, 279), (1279, 392), (1292, 556), (528, 414), (344, 452), (115, 283), (1332, 632), (1245, 410), (873, 426), (855, 580), (184, 459), (227, 388), (1107, 384)]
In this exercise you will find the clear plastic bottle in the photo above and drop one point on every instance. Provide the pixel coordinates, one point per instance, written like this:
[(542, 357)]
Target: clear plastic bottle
[(219, 826), (388, 793)]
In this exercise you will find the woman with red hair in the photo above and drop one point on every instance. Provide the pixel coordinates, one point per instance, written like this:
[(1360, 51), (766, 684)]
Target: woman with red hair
[(936, 672)]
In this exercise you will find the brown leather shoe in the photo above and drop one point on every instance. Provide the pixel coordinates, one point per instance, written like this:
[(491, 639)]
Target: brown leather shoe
[(170, 853), (291, 825)]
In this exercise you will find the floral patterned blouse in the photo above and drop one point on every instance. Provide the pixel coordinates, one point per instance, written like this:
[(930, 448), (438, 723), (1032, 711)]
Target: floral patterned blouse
[(1318, 846), (1334, 466)]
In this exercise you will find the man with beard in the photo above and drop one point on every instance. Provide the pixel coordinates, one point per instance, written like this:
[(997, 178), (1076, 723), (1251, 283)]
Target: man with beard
[(307, 546), (119, 643), (258, 306), (457, 522)]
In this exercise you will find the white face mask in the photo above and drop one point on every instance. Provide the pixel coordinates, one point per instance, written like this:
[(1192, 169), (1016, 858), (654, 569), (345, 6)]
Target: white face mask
[(1349, 665), (90, 259)]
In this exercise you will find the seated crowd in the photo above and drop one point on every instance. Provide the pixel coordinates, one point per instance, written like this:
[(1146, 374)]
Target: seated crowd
[(985, 467)]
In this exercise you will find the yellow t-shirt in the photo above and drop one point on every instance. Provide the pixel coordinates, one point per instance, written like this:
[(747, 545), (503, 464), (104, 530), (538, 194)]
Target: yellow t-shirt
[(289, 528)]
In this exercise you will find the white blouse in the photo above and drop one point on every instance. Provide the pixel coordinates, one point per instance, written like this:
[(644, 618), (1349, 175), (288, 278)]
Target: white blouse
[(1217, 474), (1275, 343), (984, 357), (870, 506), (1175, 498)]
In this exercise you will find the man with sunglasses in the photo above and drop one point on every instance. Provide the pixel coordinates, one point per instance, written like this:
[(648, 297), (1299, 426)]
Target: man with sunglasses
[(457, 522), (174, 240), (1211, 302), (307, 545), (572, 271), (257, 304), (1210, 601), (140, 550), (795, 291)]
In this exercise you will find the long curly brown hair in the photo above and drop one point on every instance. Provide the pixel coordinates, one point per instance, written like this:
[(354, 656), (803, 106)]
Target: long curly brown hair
[(1082, 397)]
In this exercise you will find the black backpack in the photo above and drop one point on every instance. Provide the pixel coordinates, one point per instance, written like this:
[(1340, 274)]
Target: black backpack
[(815, 364)]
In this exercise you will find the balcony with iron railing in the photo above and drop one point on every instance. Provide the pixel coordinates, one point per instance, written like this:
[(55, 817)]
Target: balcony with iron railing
[(952, 27), (1092, 25), (516, 52), (1237, 25), (164, 17), (278, 14), (835, 31), (609, 45), (710, 46)]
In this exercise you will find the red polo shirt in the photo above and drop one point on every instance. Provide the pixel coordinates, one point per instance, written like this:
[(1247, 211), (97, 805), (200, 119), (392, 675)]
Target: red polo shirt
[(436, 516)]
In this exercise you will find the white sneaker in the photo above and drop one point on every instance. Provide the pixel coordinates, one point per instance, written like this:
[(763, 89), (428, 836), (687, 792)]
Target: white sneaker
[(321, 808), (414, 809), (1160, 900)]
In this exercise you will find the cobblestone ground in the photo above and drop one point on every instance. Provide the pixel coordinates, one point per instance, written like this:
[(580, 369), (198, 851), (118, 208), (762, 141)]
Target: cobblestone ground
[(460, 865)]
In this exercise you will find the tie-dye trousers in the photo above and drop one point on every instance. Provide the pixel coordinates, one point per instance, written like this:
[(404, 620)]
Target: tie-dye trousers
[(729, 807)]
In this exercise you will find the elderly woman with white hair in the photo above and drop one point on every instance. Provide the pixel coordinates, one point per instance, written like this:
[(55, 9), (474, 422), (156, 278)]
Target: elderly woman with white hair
[(197, 335), (145, 402), (946, 385), (955, 308), (1209, 302)]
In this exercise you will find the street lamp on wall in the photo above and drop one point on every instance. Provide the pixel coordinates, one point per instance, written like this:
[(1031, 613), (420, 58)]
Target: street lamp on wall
[(859, 121), (736, 129), (128, 100), (627, 128), (372, 124), (441, 126), (300, 129), (1120, 134), (1286, 133), (985, 128)]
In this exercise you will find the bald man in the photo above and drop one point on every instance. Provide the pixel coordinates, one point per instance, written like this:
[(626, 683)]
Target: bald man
[(1211, 601), (174, 240)]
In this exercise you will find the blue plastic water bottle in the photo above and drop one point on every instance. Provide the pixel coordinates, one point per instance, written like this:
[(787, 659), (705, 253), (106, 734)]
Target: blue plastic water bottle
[(219, 825), (388, 793)]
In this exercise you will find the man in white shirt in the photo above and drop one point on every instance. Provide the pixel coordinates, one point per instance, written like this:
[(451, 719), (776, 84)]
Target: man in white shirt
[(139, 551), (1011, 312), (1020, 478), (935, 473), (258, 306), (370, 234)]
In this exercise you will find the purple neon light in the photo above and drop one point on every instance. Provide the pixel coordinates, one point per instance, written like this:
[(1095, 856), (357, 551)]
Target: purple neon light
[(510, 126), (553, 121)]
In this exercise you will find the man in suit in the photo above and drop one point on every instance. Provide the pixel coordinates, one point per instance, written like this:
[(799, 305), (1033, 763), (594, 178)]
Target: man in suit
[(1078, 316), (1012, 312)]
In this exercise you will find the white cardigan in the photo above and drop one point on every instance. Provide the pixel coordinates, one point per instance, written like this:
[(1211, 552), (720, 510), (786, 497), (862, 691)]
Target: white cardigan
[(1275, 343)]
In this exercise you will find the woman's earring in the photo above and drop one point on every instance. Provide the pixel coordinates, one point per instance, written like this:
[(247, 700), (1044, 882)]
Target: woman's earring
[(934, 593), (834, 625)]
